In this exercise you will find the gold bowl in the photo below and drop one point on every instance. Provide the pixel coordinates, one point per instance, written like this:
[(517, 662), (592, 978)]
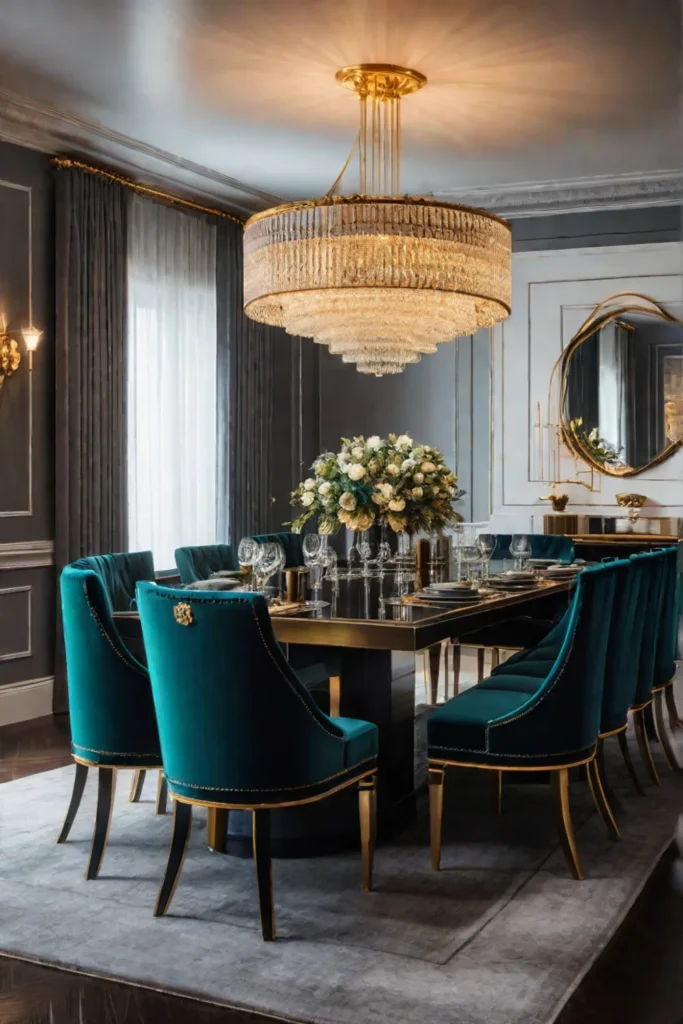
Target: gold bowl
[(631, 500)]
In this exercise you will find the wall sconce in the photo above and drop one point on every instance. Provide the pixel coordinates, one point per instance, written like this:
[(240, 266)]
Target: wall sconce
[(10, 356)]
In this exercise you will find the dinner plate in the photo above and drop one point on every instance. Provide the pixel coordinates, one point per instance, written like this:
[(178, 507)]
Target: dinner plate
[(542, 563), (452, 598), (458, 586)]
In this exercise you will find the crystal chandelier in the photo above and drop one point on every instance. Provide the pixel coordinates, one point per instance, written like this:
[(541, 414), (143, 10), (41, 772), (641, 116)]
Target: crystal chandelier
[(379, 278)]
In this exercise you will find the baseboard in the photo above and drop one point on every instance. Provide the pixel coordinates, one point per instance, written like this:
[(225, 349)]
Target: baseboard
[(29, 699)]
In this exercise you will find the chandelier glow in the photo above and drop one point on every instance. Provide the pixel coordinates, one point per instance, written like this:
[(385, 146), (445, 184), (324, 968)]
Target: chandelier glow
[(380, 279)]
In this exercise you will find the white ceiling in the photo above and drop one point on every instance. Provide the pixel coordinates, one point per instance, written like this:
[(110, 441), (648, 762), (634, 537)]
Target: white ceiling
[(523, 91)]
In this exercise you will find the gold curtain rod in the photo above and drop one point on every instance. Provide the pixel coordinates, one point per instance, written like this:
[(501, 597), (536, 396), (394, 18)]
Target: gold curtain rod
[(143, 190)]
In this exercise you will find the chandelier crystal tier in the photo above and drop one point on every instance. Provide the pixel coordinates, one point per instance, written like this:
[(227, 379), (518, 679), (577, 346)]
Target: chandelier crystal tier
[(379, 278)]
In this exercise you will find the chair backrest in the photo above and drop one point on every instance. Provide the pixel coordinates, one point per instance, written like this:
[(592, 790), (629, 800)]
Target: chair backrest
[(197, 563), (649, 613), (623, 649), (110, 698), (292, 544), (543, 545), (119, 574), (233, 716), (564, 715), (667, 634)]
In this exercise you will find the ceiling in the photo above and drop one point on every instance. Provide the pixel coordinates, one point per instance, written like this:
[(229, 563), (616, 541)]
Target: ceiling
[(244, 90)]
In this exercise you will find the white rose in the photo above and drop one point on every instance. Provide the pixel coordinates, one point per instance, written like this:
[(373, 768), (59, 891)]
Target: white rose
[(419, 478), (310, 484), (374, 442), (427, 467), (417, 492), (404, 441), (407, 464), (347, 501), (325, 487), (355, 471), (393, 470), (451, 490), (385, 489), (435, 490), (397, 505), (308, 498), (357, 453)]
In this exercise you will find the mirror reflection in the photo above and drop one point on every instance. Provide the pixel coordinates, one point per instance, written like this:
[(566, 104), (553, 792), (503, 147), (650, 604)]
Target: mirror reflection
[(623, 392)]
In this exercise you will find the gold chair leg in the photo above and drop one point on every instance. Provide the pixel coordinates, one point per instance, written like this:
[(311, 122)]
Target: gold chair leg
[(456, 652), (162, 793), (106, 788), (644, 745), (675, 720), (335, 696), (182, 826), (498, 791), (662, 735), (600, 799), (436, 782), (560, 787), (480, 663), (628, 761), (136, 785), (367, 811), (264, 872), (80, 779), (217, 829)]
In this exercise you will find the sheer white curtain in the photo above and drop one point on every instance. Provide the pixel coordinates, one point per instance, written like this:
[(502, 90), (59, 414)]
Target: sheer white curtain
[(171, 380)]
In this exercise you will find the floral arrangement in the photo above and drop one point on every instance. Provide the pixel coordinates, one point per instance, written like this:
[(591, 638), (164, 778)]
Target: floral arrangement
[(378, 482), (600, 450)]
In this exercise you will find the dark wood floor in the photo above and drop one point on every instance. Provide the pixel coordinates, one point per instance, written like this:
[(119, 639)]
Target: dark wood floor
[(637, 980)]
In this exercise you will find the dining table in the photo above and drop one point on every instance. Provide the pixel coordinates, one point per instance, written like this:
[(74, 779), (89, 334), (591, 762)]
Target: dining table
[(372, 633)]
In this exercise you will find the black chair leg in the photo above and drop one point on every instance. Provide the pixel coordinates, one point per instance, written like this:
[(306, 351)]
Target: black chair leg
[(662, 735), (644, 745), (162, 793), (80, 779), (264, 873), (106, 788), (136, 785), (182, 826), (628, 761)]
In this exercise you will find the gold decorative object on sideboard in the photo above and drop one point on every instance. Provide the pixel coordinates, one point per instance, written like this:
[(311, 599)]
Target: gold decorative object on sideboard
[(633, 502), (558, 501)]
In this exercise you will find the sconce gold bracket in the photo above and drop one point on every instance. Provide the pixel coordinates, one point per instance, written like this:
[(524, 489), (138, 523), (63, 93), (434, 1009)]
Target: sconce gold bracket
[(10, 357)]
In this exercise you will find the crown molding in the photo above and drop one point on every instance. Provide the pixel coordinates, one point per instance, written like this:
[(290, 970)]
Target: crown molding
[(574, 195), (28, 123)]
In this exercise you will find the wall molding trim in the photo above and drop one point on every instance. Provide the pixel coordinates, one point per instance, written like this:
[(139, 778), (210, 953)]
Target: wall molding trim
[(28, 123), (27, 554), (29, 699), (574, 195)]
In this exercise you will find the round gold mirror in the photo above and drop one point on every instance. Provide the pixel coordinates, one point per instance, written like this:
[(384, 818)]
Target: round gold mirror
[(622, 386)]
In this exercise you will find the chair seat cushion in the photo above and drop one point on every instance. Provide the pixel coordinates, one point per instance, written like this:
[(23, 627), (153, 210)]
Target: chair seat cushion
[(460, 724), (361, 740)]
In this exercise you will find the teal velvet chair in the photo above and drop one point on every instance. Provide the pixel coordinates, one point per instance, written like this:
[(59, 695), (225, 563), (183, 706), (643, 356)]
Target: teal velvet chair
[(651, 601), (664, 665), (238, 729), (119, 573), (198, 563), (292, 544), (543, 714), (113, 724)]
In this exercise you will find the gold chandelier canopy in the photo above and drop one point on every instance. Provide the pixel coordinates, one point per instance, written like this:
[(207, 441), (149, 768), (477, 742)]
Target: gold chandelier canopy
[(379, 278)]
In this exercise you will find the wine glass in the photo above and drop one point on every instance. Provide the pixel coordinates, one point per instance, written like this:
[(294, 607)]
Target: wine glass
[(520, 548), (486, 543), (314, 548), (267, 563), (329, 561), (354, 555), (365, 552), (383, 550), (247, 554)]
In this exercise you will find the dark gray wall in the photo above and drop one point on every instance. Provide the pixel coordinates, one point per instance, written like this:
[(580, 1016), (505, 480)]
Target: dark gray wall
[(27, 419)]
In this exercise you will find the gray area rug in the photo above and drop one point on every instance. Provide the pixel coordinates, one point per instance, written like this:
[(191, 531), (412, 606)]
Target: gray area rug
[(501, 935)]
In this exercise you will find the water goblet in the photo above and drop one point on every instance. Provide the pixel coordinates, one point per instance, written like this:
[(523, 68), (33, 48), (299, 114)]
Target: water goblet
[(247, 555), (314, 548), (520, 548)]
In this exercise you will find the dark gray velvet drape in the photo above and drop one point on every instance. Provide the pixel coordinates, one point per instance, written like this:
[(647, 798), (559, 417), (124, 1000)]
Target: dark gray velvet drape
[(245, 400), (91, 244)]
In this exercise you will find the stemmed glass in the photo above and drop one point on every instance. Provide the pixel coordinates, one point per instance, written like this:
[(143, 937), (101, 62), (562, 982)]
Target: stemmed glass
[(520, 548), (247, 555), (314, 548), (486, 543), (329, 562), (267, 563), (383, 550), (365, 552)]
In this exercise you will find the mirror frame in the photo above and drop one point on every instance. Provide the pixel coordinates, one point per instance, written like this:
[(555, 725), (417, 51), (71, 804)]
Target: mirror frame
[(597, 319)]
